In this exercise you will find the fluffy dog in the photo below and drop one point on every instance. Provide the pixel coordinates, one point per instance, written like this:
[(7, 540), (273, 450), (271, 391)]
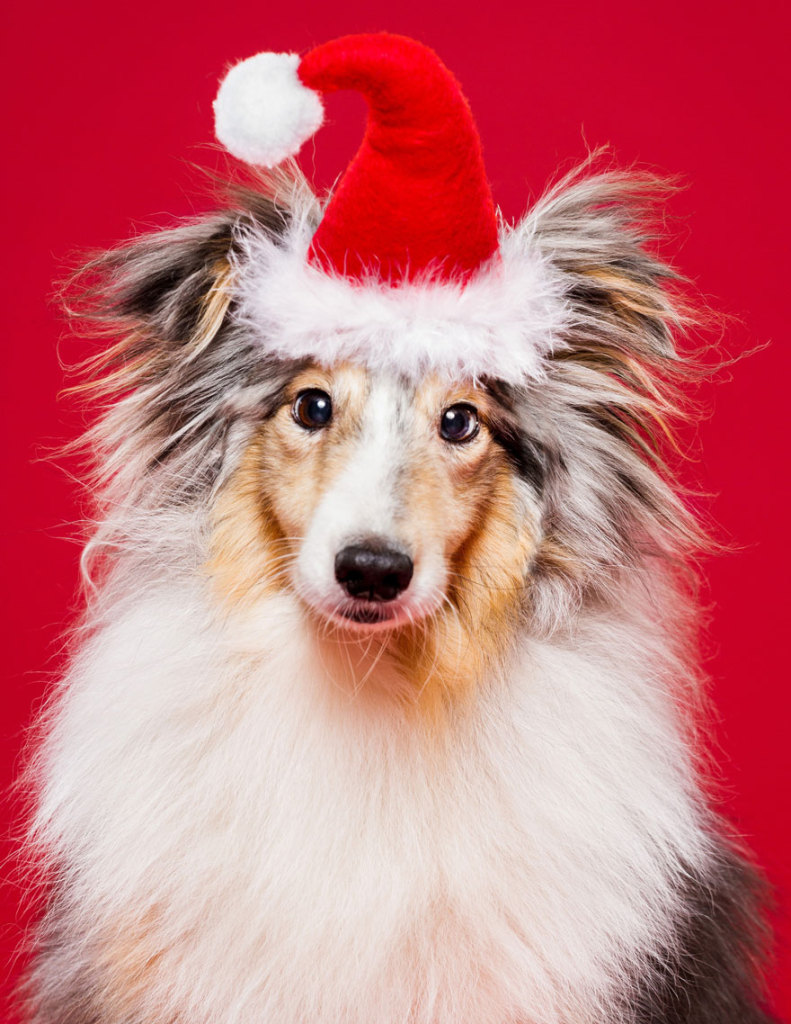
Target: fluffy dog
[(383, 708)]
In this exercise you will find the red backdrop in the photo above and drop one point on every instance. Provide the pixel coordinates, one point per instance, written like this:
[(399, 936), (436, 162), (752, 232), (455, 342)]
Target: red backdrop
[(106, 102)]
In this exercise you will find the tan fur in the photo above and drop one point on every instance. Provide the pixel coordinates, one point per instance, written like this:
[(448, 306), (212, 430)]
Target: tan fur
[(451, 653), (264, 510), (629, 296), (462, 496), (248, 548), (128, 963), (214, 308)]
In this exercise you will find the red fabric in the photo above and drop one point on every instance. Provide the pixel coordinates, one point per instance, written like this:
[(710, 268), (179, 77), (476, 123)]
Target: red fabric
[(416, 193)]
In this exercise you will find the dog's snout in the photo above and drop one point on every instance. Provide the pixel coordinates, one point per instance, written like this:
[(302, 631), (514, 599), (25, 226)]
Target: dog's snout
[(372, 571)]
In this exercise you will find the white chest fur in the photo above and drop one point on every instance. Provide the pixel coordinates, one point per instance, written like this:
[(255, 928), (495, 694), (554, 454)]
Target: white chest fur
[(287, 852)]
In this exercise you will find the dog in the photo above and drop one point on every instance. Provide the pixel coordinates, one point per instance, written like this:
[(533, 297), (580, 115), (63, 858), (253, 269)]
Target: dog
[(384, 708)]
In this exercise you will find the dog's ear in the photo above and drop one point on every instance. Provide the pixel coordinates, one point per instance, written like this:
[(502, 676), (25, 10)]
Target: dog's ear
[(611, 390), (171, 288), (598, 233), (176, 357), (618, 354)]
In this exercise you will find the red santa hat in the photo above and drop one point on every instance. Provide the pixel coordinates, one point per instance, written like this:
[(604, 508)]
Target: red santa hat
[(410, 236)]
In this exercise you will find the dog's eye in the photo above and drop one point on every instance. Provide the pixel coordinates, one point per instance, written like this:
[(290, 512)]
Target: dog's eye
[(312, 409), (459, 423)]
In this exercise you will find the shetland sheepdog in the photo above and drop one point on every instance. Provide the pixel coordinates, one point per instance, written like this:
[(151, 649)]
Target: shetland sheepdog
[(384, 706)]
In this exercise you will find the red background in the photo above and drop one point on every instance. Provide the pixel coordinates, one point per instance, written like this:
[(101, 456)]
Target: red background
[(106, 102)]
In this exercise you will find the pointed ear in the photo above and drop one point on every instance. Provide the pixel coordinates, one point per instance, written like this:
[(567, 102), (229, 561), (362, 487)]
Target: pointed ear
[(597, 232), (171, 285), (611, 392), (176, 357)]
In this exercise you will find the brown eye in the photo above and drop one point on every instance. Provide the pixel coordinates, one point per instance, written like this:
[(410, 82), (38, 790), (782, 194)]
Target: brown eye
[(459, 423), (312, 409)]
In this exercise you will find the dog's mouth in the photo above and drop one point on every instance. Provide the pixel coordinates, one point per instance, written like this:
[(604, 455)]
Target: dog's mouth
[(366, 613), (363, 616), (367, 616)]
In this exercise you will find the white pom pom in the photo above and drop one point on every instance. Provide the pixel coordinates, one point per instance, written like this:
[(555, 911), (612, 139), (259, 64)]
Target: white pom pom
[(263, 113)]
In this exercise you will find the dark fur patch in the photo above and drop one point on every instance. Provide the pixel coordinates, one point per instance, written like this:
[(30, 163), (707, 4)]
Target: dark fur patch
[(528, 456), (178, 277), (162, 279), (714, 977)]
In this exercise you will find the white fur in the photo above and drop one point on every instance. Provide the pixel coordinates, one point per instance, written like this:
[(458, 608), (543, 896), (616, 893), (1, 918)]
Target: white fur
[(500, 324), (364, 500), (296, 853), (263, 112)]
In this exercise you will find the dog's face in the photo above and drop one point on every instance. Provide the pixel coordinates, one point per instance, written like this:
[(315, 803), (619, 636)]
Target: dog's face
[(431, 516), (382, 504)]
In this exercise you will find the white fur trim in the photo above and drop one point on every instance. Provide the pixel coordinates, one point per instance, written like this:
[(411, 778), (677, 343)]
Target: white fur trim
[(500, 324), (263, 112)]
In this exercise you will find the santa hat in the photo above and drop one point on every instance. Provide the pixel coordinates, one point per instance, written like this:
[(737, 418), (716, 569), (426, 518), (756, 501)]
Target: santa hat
[(408, 244)]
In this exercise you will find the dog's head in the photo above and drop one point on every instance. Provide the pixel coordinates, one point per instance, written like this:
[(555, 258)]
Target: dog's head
[(442, 511)]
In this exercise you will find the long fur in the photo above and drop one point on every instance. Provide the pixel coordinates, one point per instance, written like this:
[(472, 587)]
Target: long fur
[(231, 838)]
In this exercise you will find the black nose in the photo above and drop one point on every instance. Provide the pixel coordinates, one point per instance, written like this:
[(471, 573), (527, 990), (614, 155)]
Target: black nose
[(372, 571)]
